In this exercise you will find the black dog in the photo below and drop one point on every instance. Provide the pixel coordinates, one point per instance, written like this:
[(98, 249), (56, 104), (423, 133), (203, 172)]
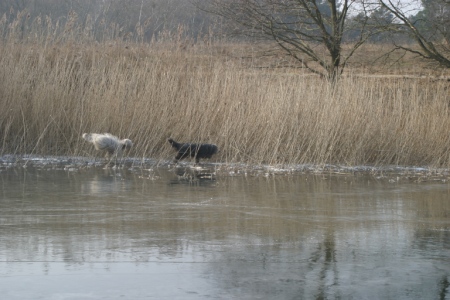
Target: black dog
[(193, 150)]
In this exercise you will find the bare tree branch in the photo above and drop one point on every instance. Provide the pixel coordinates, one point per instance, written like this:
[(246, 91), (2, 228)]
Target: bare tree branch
[(428, 49), (306, 30)]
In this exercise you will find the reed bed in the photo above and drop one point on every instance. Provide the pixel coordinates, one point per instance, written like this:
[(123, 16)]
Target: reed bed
[(52, 92)]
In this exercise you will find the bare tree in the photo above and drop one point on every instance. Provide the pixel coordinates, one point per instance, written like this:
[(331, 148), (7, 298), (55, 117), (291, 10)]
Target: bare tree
[(307, 30), (433, 40)]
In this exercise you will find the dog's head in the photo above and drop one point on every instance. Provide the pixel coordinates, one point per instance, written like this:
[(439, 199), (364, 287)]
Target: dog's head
[(126, 144)]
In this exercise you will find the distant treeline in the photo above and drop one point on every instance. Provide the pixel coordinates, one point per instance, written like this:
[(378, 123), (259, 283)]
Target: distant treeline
[(147, 18), (151, 19)]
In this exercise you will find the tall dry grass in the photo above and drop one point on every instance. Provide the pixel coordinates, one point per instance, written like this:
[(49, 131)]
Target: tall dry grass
[(54, 89)]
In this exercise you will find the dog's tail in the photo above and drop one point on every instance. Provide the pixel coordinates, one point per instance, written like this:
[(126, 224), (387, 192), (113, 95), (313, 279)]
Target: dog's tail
[(175, 144)]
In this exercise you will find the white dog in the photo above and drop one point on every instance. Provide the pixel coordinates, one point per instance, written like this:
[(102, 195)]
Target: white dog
[(108, 142)]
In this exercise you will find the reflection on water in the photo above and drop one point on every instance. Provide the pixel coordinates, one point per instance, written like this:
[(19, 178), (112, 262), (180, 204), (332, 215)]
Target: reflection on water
[(94, 233)]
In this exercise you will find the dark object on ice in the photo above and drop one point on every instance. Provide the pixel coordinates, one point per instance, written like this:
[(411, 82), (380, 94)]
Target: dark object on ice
[(193, 150)]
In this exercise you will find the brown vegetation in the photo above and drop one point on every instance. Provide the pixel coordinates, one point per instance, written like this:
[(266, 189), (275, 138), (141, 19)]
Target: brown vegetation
[(52, 92)]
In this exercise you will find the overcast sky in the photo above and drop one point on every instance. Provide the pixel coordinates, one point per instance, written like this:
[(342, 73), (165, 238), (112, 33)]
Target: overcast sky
[(409, 7)]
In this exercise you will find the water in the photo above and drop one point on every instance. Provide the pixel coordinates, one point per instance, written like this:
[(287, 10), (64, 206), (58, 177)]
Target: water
[(177, 233)]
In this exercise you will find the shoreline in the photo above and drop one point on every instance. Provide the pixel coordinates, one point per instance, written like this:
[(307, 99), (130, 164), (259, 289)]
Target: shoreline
[(392, 173)]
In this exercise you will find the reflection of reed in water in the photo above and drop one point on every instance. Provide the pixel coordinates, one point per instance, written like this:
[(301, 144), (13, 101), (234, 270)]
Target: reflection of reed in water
[(194, 174)]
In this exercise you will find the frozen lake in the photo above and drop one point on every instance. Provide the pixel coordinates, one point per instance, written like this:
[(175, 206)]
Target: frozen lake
[(178, 233)]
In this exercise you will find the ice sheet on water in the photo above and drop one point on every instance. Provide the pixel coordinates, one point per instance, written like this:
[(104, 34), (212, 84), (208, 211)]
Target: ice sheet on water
[(73, 163)]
